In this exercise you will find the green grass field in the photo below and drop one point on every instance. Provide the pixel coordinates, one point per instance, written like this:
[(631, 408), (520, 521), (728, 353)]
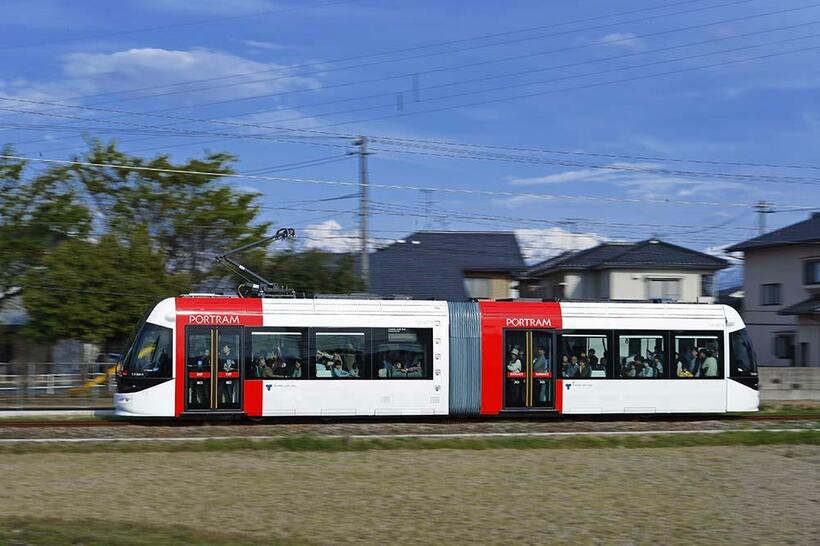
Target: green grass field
[(729, 488)]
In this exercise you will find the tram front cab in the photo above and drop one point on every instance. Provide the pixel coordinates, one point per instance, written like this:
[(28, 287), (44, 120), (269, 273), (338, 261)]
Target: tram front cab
[(145, 379)]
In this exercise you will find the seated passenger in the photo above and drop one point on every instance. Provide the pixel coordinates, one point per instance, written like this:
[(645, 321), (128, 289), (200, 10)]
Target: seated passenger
[(573, 368), (643, 368), (415, 369), (297, 370), (583, 368), (629, 369), (338, 371)]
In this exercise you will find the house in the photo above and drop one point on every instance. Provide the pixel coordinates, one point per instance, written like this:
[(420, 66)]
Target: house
[(650, 269), (448, 265), (781, 288)]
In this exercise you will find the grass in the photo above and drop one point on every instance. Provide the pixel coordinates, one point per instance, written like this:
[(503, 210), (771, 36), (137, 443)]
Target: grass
[(732, 495), (93, 532), (311, 443)]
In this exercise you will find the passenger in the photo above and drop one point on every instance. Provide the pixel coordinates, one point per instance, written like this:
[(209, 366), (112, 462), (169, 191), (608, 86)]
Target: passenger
[(630, 369), (697, 364), (229, 364), (689, 358), (681, 369), (337, 370), (657, 363), (387, 365), (709, 368), (573, 368), (349, 358), (541, 364), (514, 365), (593, 359), (643, 368), (415, 369), (583, 368), (297, 370)]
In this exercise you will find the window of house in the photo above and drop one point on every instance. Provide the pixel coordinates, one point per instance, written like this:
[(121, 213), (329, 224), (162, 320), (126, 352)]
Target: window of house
[(478, 288), (666, 289), (707, 284), (770, 294), (783, 345), (811, 272)]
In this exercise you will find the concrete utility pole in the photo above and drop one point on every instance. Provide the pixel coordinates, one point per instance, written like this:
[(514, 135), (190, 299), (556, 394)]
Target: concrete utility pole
[(763, 208), (361, 142)]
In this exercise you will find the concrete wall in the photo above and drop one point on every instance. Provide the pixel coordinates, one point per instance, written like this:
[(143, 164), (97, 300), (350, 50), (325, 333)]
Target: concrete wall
[(784, 266), (632, 285), (777, 383)]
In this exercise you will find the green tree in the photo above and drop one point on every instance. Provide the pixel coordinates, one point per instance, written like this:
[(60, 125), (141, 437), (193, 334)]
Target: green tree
[(36, 214), (99, 290), (315, 272), (190, 217)]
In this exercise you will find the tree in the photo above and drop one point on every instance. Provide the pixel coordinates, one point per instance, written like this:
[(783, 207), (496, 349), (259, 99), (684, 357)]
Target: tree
[(35, 216), (190, 217), (97, 290), (315, 272)]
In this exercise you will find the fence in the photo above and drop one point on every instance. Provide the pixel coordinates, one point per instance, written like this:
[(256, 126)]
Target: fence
[(49, 381)]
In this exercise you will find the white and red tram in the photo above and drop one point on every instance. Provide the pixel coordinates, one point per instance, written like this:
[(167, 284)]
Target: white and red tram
[(206, 355)]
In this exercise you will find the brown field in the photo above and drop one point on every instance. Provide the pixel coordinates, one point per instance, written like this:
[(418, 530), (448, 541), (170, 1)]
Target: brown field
[(707, 495)]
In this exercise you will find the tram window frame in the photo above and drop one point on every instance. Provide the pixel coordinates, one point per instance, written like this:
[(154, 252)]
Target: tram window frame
[(366, 367), (559, 347), (381, 336), (132, 356), (270, 330), (648, 334), (721, 362)]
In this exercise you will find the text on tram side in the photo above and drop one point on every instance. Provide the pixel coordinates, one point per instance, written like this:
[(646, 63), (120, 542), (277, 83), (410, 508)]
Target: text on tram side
[(213, 320), (529, 323)]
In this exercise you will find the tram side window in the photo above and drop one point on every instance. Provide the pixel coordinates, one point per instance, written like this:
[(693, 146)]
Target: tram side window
[(403, 353), (641, 356), (151, 354), (277, 355), (742, 358), (341, 355), (585, 356), (698, 356)]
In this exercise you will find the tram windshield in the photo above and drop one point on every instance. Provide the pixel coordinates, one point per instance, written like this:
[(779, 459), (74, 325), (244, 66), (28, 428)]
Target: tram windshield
[(150, 356), (742, 355)]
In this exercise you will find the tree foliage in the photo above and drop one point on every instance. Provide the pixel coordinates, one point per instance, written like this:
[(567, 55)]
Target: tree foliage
[(315, 272)]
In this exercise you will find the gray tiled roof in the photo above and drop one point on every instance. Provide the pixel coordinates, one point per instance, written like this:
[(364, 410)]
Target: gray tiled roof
[(432, 264), (643, 254), (806, 231), (810, 306)]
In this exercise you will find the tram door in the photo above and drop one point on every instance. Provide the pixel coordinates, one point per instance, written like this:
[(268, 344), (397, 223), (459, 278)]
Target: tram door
[(212, 371), (528, 369)]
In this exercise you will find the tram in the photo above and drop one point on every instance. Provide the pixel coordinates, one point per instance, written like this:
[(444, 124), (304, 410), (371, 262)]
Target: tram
[(266, 357)]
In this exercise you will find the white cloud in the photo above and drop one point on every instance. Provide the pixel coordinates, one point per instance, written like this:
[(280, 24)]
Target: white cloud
[(540, 244), (603, 174), (258, 44), (622, 39), (329, 236), (90, 73)]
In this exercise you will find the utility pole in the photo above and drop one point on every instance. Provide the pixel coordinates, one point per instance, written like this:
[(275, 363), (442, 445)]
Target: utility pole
[(361, 143), (763, 208), (428, 208)]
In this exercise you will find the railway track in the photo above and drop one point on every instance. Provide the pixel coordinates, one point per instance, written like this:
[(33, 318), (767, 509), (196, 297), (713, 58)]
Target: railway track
[(609, 419)]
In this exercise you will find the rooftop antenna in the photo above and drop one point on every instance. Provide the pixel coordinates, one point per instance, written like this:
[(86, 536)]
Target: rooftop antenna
[(256, 286)]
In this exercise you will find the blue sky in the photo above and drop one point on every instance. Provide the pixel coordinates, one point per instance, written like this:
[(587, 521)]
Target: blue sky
[(526, 75)]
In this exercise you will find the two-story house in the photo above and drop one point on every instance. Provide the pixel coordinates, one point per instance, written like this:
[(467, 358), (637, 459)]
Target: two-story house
[(781, 288), (448, 265), (645, 270)]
